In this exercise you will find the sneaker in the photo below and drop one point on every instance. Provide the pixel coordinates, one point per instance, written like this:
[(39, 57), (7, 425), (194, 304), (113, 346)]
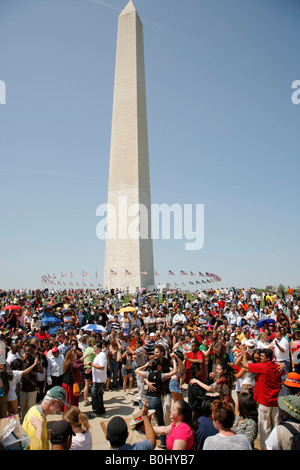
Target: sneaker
[(86, 403)]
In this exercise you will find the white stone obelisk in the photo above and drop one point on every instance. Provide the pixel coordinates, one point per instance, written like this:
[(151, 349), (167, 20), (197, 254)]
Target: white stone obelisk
[(128, 246)]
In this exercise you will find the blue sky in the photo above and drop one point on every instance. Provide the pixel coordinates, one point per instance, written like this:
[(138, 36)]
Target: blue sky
[(222, 129)]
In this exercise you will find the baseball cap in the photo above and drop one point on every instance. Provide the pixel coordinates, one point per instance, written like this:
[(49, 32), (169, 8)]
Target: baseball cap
[(60, 431), (58, 393)]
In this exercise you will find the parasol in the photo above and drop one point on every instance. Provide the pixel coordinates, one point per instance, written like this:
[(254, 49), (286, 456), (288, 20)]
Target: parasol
[(128, 309), (12, 307), (260, 324), (94, 327)]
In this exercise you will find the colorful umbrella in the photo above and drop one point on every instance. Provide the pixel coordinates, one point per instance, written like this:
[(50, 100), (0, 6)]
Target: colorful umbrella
[(260, 324), (128, 309), (12, 307), (94, 327), (50, 320)]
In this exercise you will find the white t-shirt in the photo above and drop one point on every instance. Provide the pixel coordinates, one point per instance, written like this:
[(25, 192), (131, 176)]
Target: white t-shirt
[(221, 442), (17, 376), (284, 344), (82, 441), (100, 375)]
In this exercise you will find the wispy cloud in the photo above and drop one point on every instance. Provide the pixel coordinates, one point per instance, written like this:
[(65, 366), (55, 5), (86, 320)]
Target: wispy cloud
[(159, 26), (105, 4), (50, 173)]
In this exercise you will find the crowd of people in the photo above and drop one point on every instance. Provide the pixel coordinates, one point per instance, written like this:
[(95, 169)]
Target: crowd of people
[(220, 367)]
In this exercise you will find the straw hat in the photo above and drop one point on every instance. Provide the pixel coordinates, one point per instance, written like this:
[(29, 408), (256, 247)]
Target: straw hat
[(291, 405), (138, 418)]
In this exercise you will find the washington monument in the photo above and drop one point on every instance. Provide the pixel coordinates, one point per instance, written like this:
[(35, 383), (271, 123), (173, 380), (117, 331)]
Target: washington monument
[(128, 246)]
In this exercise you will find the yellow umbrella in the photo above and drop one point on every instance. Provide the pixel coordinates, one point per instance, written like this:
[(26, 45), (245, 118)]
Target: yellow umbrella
[(128, 309)]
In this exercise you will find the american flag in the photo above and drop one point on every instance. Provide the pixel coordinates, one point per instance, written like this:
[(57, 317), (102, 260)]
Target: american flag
[(201, 274), (183, 273), (72, 274), (171, 273), (193, 274), (144, 273), (84, 273), (156, 273), (63, 274), (191, 283), (113, 272), (128, 272)]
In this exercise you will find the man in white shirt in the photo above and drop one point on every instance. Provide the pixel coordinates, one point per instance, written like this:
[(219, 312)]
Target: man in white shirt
[(252, 315), (55, 368), (13, 353), (179, 319), (233, 317), (99, 375), (150, 322), (282, 351)]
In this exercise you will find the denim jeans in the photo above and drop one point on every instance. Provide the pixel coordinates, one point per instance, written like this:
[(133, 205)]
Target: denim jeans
[(97, 397), (154, 403), (114, 367)]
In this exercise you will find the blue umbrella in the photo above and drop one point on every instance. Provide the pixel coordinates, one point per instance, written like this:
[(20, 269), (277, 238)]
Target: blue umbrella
[(94, 327), (260, 323), (50, 320), (53, 330)]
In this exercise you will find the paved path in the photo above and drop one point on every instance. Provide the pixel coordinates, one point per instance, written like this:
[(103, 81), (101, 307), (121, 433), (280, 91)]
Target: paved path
[(116, 404)]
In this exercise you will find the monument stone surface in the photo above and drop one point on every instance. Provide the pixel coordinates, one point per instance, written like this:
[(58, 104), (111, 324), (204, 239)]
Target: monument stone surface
[(128, 246)]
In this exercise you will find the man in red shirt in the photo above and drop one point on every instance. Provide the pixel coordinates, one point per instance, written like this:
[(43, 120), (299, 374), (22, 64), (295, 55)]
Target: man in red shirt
[(41, 334), (266, 390), (194, 356)]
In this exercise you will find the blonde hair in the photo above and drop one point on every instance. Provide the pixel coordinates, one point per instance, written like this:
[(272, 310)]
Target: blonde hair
[(75, 417)]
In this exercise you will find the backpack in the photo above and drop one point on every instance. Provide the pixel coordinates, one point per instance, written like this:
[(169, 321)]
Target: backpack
[(296, 436)]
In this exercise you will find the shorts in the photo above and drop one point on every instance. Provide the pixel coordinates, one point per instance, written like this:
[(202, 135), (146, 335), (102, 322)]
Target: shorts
[(174, 386), (125, 371), (87, 374)]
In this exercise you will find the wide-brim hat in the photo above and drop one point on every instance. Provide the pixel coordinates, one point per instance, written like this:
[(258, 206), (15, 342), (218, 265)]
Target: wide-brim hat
[(292, 380), (138, 418), (290, 404)]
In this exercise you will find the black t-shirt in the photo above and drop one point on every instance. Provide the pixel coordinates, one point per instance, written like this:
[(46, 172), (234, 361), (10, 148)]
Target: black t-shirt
[(102, 319), (157, 378)]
